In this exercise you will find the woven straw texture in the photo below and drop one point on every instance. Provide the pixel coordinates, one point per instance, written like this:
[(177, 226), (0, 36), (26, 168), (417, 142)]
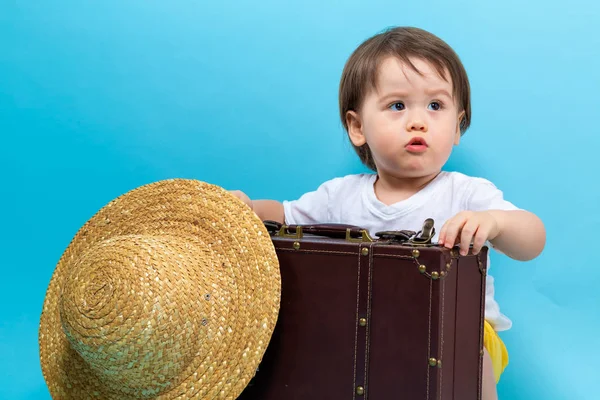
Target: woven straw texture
[(171, 291)]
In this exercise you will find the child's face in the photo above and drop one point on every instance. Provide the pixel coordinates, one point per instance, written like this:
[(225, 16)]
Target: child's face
[(405, 106)]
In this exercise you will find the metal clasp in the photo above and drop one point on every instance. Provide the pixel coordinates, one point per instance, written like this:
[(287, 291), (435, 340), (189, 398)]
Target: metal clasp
[(283, 232), (424, 236), (365, 237)]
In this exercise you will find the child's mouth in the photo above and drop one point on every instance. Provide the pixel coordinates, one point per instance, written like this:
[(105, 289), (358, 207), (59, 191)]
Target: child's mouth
[(416, 145)]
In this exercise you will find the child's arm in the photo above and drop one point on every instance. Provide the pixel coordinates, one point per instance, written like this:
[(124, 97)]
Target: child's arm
[(521, 236), (517, 233), (268, 210), (311, 208), (265, 209)]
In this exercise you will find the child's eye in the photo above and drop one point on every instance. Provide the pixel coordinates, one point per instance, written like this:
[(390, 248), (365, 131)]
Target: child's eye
[(398, 106), (435, 106)]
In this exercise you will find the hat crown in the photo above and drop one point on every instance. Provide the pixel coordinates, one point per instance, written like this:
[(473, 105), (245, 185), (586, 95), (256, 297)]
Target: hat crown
[(126, 312)]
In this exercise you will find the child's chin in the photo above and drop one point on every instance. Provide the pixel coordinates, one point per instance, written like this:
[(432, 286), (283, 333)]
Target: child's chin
[(414, 173), (415, 170)]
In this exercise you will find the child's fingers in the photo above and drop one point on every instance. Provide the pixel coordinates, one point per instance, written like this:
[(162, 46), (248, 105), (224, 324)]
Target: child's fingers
[(442, 235), (453, 228), (480, 237), (467, 234)]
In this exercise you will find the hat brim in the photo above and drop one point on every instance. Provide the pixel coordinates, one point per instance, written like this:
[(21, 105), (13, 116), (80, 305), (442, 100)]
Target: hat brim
[(198, 211)]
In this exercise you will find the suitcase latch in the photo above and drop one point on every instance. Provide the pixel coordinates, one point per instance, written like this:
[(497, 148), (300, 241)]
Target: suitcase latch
[(412, 238), (424, 236), (364, 236), (278, 229)]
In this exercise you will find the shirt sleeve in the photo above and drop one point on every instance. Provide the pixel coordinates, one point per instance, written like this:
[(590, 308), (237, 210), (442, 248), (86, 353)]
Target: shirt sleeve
[(312, 207), (483, 195)]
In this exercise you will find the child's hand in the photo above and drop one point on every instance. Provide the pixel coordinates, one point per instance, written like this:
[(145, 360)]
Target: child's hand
[(469, 226), (243, 197)]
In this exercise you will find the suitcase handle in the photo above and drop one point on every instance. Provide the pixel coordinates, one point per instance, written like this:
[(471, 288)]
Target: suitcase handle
[(352, 233)]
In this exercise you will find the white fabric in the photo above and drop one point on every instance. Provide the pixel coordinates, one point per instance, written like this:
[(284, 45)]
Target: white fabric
[(352, 200)]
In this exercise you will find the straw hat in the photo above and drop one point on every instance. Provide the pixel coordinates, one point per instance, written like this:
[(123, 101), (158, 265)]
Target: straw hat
[(171, 291)]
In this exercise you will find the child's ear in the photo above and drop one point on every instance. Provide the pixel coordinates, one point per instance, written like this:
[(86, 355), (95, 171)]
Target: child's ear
[(457, 134), (355, 128)]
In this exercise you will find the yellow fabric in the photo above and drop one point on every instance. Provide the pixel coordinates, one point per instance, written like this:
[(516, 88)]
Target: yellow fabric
[(495, 346)]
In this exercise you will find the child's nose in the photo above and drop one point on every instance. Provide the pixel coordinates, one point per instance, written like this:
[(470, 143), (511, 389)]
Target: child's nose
[(417, 125)]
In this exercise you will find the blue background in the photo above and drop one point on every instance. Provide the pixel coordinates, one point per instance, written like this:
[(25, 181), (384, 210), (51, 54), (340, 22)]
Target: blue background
[(97, 98)]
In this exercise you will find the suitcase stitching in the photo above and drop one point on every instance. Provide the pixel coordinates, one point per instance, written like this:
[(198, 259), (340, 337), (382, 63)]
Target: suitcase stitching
[(357, 317), (441, 358), (319, 251), (345, 253), (367, 338), (429, 335), (396, 256), (482, 311)]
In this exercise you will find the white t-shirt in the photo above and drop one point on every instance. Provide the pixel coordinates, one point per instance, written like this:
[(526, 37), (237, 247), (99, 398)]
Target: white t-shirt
[(352, 200)]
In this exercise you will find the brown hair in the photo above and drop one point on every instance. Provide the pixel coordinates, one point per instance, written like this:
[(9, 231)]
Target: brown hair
[(361, 69)]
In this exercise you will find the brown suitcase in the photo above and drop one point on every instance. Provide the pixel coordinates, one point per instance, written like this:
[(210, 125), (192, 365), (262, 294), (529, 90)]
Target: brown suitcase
[(377, 319)]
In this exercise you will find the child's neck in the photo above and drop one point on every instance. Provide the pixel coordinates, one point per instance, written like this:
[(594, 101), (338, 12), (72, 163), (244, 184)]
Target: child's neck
[(390, 189)]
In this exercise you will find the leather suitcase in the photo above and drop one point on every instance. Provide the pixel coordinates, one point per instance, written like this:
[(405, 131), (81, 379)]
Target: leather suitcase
[(390, 317)]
